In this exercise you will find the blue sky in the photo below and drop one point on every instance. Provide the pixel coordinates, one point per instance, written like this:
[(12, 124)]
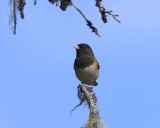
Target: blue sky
[(37, 80)]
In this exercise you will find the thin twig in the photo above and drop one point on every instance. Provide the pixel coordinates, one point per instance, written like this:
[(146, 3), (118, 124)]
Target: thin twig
[(89, 23), (103, 12), (82, 99), (21, 4), (113, 15), (81, 102), (14, 16), (54, 1), (35, 2)]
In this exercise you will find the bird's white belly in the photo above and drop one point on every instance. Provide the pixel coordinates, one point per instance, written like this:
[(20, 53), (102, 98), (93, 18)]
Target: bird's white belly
[(87, 75)]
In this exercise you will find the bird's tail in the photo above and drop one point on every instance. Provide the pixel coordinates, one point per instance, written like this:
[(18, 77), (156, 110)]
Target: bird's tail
[(95, 83)]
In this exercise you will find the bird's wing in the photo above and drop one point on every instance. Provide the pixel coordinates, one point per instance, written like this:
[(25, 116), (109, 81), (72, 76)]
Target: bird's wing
[(82, 62)]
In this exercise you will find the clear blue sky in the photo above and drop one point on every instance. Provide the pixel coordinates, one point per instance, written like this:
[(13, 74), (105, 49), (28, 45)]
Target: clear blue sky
[(38, 87)]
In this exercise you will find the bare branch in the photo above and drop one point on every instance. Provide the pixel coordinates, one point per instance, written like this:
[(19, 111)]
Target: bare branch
[(35, 2), (113, 15), (21, 4), (54, 1), (89, 23), (14, 16), (102, 10), (64, 4)]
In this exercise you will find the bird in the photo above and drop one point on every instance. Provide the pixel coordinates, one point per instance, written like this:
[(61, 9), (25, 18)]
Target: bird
[(86, 65)]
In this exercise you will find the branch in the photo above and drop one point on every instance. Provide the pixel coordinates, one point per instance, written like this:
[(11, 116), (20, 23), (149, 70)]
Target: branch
[(89, 23), (54, 1), (87, 96), (103, 12), (113, 15), (21, 4), (63, 4), (35, 2), (14, 16)]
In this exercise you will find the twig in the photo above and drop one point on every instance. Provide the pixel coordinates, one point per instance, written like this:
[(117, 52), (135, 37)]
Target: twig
[(81, 102), (82, 99), (14, 16), (64, 4), (54, 1), (102, 10), (113, 15), (89, 23), (35, 2), (21, 4)]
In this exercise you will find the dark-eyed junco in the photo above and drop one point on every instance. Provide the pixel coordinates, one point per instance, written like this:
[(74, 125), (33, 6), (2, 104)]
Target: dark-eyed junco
[(86, 65)]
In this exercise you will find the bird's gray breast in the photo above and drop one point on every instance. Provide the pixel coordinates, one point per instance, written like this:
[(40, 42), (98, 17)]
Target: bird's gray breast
[(87, 75)]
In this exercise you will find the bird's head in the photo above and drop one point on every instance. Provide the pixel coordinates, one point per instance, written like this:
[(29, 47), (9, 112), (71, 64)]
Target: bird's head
[(83, 50)]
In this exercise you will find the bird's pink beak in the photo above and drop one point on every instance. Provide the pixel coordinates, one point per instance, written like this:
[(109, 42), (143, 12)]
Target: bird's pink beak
[(76, 47)]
